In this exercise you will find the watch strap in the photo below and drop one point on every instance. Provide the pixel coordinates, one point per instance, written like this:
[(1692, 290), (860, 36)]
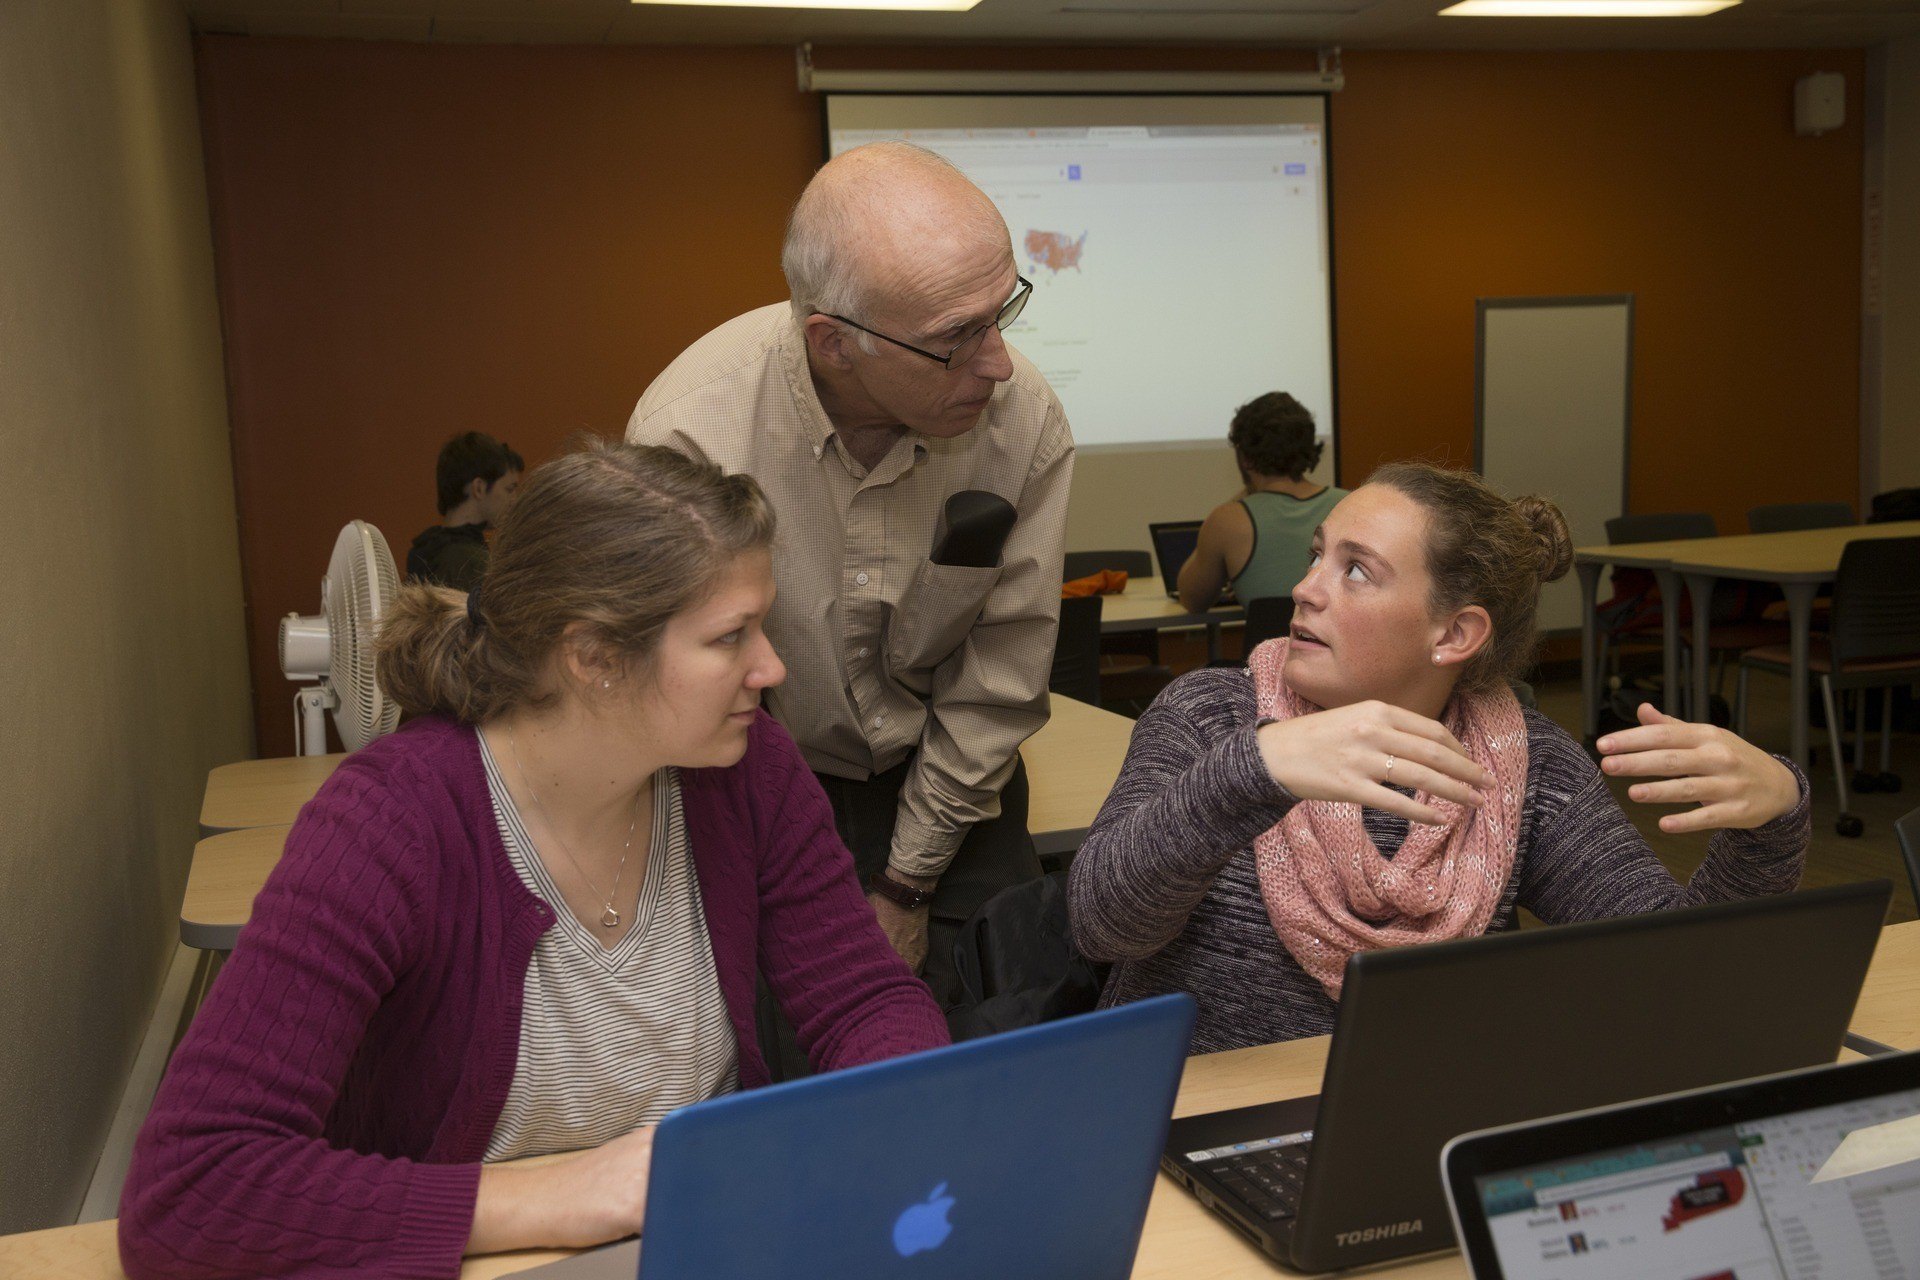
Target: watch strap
[(904, 895)]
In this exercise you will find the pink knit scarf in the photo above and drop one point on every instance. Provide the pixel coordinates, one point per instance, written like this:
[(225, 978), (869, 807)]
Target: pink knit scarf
[(1328, 890)]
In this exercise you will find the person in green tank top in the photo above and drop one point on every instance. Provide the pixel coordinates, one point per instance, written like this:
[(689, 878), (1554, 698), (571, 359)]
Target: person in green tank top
[(1261, 541)]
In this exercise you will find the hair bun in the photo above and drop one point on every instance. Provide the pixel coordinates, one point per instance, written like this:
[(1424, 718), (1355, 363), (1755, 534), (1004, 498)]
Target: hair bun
[(1550, 528)]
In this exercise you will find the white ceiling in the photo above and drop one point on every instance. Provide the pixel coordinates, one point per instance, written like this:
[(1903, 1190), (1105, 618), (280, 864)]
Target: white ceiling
[(1353, 24)]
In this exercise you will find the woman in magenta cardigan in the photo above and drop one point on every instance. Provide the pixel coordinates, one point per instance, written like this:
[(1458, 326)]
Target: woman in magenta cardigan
[(529, 921)]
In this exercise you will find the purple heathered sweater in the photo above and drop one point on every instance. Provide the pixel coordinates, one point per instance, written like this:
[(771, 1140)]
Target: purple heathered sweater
[(327, 1112), (1165, 885)]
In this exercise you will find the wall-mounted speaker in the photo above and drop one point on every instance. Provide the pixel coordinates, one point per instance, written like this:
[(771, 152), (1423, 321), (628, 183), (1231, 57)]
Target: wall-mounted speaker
[(1819, 103)]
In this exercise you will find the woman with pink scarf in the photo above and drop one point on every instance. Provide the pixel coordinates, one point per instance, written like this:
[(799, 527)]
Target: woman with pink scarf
[(1370, 780)]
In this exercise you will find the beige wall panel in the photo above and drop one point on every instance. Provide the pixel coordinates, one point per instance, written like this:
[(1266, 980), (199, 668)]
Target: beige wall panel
[(1117, 493), (122, 668)]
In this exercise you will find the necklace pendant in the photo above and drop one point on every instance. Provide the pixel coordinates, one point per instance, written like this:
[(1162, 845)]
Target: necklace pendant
[(610, 918)]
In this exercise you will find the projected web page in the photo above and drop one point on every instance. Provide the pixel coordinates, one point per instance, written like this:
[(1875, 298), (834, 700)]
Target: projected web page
[(1178, 269), (1746, 1202)]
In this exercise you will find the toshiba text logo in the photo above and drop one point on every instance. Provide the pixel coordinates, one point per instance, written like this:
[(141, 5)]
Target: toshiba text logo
[(1367, 1235)]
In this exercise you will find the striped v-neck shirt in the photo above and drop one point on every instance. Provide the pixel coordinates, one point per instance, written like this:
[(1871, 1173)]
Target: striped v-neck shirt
[(611, 1040)]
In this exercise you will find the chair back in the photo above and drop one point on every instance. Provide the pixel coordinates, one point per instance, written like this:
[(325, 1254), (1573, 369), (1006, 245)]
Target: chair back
[(1135, 564), (1076, 655), (1660, 526), (1791, 517), (1876, 601), (1907, 827), (1267, 618)]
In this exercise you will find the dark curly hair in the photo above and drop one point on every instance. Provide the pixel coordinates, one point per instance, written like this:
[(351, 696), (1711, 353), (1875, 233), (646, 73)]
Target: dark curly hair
[(1273, 435)]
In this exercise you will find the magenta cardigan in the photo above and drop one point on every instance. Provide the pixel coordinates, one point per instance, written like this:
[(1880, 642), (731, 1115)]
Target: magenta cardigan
[(327, 1111)]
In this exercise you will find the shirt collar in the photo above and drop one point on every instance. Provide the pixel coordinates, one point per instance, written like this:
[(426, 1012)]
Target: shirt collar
[(816, 428)]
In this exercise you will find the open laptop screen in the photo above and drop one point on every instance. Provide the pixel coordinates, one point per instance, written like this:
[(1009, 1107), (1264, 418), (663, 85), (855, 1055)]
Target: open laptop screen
[(1815, 1193), (1173, 542)]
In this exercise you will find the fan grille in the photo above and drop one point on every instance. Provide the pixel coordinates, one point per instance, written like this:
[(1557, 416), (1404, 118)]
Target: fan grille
[(362, 584)]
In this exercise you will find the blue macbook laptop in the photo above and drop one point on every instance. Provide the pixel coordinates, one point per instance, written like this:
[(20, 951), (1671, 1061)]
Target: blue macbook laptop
[(1031, 1153)]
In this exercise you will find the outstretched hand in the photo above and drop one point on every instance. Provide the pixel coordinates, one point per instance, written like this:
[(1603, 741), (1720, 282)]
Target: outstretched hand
[(1734, 783), (1351, 753)]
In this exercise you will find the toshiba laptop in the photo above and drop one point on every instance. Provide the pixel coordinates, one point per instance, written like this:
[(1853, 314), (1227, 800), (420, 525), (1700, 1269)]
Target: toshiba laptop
[(1027, 1154), (1812, 1173), (1437, 1040)]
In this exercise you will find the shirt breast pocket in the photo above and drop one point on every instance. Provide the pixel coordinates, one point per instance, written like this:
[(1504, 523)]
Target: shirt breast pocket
[(936, 614)]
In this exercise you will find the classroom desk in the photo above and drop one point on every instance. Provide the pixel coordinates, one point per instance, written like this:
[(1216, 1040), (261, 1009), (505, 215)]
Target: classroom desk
[(1071, 764), (1145, 606), (262, 793), (227, 873), (1657, 558), (1798, 562), (1182, 1241), (1889, 1008)]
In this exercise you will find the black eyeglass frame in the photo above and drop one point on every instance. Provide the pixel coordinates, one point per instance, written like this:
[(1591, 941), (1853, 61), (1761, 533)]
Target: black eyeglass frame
[(1008, 313)]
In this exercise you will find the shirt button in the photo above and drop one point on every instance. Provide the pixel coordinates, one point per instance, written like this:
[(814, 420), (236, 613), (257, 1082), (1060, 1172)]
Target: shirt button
[(878, 721), (862, 653), (859, 579)]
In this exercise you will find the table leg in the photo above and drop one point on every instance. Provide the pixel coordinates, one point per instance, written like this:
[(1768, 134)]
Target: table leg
[(1213, 643), (1700, 698), (205, 969), (1670, 639), (1589, 651), (1800, 615)]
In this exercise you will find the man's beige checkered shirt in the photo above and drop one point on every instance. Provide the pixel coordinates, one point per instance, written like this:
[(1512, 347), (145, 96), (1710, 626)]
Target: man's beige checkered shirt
[(886, 651)]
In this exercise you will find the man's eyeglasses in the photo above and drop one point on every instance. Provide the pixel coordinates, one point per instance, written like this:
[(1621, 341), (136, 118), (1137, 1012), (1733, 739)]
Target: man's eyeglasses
[(969, 344)]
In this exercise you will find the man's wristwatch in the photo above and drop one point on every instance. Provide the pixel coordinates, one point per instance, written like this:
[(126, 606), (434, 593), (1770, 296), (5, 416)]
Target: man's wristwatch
[(904, 895)]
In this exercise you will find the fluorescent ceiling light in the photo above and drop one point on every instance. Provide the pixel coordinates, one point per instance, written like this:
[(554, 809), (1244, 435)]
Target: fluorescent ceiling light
[(945, 6), (1586, 8)]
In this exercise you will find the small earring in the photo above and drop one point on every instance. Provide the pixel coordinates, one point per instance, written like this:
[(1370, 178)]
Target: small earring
[(608, 684), (1436, 657)]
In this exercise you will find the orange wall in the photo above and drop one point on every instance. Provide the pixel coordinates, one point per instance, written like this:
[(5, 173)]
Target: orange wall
[(414, 240)]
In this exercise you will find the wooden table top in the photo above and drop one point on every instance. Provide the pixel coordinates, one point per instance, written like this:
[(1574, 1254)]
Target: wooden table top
[(262, 793), (1145, 605), (227, 873), (1805, 554), (1182, 1241), (1071, 764), (1889, 1008)]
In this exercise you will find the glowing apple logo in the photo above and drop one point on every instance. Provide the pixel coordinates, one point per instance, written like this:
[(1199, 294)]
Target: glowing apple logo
[(924, 1226)]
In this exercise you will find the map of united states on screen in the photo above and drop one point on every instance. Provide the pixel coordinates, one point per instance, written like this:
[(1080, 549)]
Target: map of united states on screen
[(1054, 250)]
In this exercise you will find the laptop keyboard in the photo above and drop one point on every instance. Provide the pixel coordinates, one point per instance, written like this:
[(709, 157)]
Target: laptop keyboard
[(1268, 1181)]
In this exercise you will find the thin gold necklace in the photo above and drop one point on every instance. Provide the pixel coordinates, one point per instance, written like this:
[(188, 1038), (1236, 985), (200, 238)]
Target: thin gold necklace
[(610, 918)]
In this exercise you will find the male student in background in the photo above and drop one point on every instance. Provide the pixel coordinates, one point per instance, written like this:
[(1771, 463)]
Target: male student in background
[(919, 467), (477, 477)]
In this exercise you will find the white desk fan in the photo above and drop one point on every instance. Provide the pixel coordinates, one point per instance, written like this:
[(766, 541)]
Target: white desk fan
[(336, 646)]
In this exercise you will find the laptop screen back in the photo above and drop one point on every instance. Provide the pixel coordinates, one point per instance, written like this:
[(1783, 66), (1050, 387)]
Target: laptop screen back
[(1173, 542), (1540, 1022), (1029, 1154), (1794, 1196)]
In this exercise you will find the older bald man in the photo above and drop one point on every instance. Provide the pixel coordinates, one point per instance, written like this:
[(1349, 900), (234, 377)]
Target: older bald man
[(879, 390)]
